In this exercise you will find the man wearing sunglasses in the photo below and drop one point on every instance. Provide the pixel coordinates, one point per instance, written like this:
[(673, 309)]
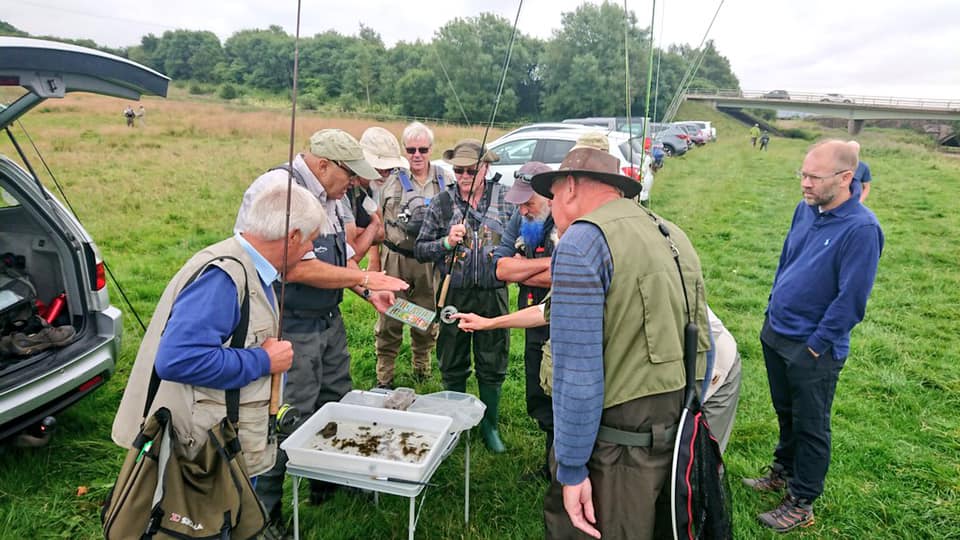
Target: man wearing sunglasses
[(461, 229), (820, 290), (311, 319), (404, 198)]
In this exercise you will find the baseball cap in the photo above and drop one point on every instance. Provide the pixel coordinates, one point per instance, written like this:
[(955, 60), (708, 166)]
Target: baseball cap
[(338, 145), (521, 190)]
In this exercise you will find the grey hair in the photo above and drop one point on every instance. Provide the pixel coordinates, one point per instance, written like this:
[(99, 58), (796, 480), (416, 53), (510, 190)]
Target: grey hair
[(416, 129), (268, 211)]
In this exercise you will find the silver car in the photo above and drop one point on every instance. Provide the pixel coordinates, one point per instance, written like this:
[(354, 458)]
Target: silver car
[(43, 239)]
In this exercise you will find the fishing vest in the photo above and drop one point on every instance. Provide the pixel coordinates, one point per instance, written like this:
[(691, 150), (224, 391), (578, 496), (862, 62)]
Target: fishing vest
[(474, 266), (530, 296), (644, 313), (403, 218), (195, 408), (330, 248)]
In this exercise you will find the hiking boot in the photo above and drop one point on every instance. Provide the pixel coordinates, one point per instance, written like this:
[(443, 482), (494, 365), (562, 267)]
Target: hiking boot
[(792, 513), (30, 344), (385, 385), (774, 481)]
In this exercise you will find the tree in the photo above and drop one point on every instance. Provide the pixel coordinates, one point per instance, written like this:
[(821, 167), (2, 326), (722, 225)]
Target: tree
[(583, 66), (260, 58), (188, 54)]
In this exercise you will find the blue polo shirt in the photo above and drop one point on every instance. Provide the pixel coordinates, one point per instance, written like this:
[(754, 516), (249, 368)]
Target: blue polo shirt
[(860, 176), (826, 271)]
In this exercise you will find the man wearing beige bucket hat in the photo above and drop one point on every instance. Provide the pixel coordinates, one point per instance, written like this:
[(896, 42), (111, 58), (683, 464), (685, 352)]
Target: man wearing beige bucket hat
[(404, 198), (617, 320), (460, 231), (311, 319)]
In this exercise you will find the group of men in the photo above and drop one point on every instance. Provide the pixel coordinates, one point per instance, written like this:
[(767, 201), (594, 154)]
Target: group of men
[(606, 289)]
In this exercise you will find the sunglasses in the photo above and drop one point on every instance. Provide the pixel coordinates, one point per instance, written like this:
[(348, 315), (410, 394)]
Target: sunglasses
[(414, 149), (348, 170), (461, 170), (526, 178)]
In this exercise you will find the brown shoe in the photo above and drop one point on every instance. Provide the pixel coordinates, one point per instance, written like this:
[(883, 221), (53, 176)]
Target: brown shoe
[(775, 480), (792, 513)]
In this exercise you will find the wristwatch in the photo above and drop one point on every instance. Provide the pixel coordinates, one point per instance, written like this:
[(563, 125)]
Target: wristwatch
[(366, 294)]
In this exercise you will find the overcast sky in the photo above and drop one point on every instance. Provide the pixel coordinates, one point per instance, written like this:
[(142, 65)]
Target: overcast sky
[(857, 47)]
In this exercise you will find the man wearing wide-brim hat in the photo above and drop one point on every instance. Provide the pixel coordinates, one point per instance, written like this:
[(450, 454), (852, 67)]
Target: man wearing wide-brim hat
[(461, 229), (616, 326)]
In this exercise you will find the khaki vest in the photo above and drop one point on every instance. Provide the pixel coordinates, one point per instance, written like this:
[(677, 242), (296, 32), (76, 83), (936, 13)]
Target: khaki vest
[(195, 409), (644, 314)]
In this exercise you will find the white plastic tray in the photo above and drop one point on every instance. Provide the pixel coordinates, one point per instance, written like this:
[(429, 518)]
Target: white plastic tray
[(300, 451)]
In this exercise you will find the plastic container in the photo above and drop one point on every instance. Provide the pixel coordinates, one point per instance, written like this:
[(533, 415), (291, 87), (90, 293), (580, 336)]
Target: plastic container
[(465, 410), (400, 399), (302, 454)]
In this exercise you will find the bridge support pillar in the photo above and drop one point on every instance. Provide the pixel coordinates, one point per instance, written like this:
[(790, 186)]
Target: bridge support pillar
[(854, 127)]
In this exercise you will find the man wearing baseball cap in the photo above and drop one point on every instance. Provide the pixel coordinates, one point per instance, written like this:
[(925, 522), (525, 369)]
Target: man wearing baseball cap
[(530, 233), (460, 231), (617, 319), (311, 318)]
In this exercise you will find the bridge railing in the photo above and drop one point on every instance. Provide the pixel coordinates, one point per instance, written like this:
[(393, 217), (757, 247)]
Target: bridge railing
[(814, 97)]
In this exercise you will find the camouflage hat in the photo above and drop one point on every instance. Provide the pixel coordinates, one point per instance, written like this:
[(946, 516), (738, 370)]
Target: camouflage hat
[(338, 145), (466, 153)]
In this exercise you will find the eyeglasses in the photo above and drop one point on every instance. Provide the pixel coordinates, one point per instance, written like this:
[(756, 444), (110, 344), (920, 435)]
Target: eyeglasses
[(814, 178), (526, 178), (414, 149), (461, 170), (346, 169)]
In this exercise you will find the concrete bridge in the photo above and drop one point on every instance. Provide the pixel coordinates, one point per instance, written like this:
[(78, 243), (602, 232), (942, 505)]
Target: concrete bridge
[(855, 108)]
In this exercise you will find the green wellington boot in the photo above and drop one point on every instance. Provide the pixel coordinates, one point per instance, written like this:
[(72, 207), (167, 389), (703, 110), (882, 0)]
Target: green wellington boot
[(490, 396), (456, 387)]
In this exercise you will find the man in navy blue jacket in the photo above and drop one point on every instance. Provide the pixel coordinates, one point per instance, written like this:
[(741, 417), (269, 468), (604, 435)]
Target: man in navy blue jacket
[(826, 270)]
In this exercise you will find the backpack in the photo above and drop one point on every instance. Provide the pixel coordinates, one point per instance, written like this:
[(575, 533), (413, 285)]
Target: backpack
[(413, 206)]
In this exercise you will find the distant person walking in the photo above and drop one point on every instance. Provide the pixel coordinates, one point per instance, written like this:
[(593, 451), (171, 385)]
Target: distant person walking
[(142, 116), (820, 290), (861, 176), (129, 115), (764, 140), (754, 134)]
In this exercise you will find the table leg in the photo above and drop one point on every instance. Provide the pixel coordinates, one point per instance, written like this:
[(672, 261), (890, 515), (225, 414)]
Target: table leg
[(296, 507), (466, 482), (412, 523)]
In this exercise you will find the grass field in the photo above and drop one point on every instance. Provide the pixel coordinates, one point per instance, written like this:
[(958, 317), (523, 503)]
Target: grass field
[(152, 196)]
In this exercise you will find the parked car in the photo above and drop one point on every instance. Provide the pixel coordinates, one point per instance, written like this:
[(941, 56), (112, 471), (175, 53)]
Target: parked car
[(675, 140), (706, 128), (697, 135), (612, 123), (551, 145), (48, 244), (777, 94), (835, 98)]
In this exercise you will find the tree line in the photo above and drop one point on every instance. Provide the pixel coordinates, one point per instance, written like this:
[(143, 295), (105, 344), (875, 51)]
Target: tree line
[(577, 72)]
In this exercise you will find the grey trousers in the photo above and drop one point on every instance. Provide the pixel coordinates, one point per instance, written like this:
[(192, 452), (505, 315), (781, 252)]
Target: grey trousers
[(721, 408), (320, 373)]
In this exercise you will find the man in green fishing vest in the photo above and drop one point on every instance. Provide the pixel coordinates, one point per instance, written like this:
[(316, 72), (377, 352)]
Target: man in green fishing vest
[(618, 312)]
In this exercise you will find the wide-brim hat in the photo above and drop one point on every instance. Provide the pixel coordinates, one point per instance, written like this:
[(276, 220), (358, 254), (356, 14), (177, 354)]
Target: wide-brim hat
[(381, 149), (467, 153), (592, 163), (338, 145)]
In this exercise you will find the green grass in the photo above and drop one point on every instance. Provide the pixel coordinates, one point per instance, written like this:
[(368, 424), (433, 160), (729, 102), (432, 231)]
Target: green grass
[(153, 196)]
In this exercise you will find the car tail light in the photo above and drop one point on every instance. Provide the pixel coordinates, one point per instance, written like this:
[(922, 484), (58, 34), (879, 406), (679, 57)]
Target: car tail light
[(90, 384), (632, 172), (101, 277), (684, 136)]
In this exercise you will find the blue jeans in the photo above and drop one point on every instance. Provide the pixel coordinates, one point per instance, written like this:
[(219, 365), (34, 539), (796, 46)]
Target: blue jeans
[(802, 389)]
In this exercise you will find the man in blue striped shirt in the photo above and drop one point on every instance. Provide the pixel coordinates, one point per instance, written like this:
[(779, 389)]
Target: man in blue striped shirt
[(616, 326)]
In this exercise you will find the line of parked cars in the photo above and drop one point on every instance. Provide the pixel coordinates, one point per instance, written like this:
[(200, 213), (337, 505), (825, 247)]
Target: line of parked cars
[(549, 142)]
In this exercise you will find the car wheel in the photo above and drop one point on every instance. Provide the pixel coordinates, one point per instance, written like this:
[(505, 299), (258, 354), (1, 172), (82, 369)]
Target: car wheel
[(847, 101), (668, 149)]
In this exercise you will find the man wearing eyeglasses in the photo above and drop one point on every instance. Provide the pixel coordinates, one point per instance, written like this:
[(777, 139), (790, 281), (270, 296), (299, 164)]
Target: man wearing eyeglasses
[(404, 198), (460, 231), (820, 290), (311, 319)]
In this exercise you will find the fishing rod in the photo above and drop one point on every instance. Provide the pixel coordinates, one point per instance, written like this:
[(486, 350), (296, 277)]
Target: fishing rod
[(290, 415), (447, 312)]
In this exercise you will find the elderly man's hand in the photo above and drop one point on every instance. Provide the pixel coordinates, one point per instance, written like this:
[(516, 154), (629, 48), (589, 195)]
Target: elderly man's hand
[(457, 233), (382, 300), (471, 322), (380, 281), (280, 353), (578, 502)]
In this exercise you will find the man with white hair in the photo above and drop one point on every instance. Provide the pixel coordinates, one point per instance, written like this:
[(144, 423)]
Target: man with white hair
[(200, 310), (404, 199)]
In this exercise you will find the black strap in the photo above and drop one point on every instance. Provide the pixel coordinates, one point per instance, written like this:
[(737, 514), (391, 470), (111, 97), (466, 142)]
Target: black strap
[(393, 247), (237, 341)]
